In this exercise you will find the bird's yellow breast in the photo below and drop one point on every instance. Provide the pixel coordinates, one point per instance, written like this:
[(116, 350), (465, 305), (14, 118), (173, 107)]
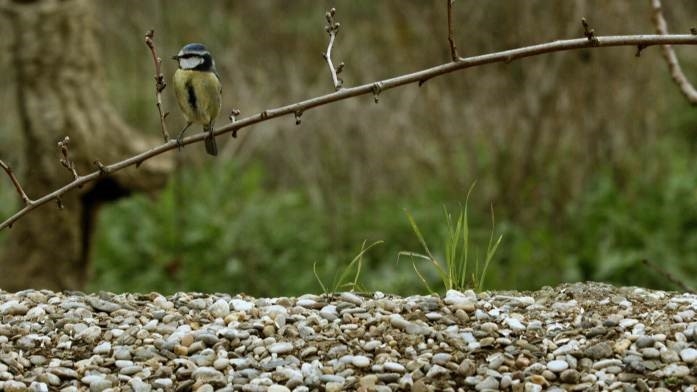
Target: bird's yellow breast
[(198, 94)]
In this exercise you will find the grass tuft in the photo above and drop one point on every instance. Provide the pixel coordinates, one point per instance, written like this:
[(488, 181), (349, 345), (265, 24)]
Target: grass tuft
[(456, 272), (343, 281)]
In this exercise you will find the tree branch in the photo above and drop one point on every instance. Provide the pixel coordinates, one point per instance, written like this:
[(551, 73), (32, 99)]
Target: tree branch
[(64, 146), (505, 56), (332, 28), (687, 89), (20, 191), (451, 41), (159, 81)]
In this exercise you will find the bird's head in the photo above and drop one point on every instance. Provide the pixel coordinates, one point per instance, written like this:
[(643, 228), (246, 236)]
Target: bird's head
[(195, 56)]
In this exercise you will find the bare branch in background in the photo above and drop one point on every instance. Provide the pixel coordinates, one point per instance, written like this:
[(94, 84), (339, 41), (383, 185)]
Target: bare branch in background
[(676, 72), (159, 81), (374, 88), (20, 191), (64, 146), (332, 28), (453, 49)]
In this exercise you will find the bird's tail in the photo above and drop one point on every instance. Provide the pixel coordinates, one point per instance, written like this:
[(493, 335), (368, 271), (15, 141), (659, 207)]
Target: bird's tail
[(211, 146)]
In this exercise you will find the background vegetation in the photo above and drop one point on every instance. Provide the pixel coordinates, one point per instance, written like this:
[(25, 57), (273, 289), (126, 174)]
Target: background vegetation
[(587, 157)]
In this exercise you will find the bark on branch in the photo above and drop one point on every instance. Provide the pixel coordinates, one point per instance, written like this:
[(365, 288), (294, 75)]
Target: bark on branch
[(676, 72), (419, 77)]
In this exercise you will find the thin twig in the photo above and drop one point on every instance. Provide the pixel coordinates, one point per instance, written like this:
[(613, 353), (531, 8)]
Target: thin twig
[(64, 146), (159, 81), (15, 182), (368, 88), (332, 28), (453, 49), (687, 89), (588, 32), (669, 276)]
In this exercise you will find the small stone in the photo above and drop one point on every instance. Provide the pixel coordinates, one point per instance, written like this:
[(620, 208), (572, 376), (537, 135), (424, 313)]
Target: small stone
[(187, 340), (38, 387), (221, 363), (599, 351), (63, 372), (360, 361), (102, 305), (278, 388), (205, 374), (13, 308), (241, 305), (441, 358), (280, 348), (164, 383), (334, 387), (489, 383), (570, 376), (645, 341), (205, 388), (49, 378), (368, 382), (437, 371), (15, 386), (670, 356), (100, 385), (103, 348), (674, 370), (329, 313), (393, 367), (89, 334), (515, 324), (137, 385), (621, 346), (688, 355), (532, 387), (603, 363), (557, 366), (538, 379), (351, 297), (219, 308), (180, 350), (650, 353)]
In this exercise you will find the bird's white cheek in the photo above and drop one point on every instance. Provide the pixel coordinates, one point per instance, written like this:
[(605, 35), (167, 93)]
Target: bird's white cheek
[(190, 62)]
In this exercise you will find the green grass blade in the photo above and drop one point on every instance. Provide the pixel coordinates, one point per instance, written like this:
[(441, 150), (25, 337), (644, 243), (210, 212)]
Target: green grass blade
[(358, 259), (420, 236), (423, 280), (314, 270)]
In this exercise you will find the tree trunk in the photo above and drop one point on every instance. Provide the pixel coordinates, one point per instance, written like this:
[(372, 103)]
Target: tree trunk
[(61, 92)]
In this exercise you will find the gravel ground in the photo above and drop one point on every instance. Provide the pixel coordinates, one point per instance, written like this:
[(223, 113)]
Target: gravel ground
[(573, 337)]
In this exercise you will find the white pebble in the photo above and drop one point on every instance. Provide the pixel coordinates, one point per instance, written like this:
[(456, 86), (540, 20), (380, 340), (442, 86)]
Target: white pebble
[(278, 388), (689, 355), (557, 365), (102, 348), (360, 361), (515, 324), (219, 308), (281, 348), (241, 305), (393, 367)]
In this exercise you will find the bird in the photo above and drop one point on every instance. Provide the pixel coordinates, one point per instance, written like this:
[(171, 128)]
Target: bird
[(198, 90)]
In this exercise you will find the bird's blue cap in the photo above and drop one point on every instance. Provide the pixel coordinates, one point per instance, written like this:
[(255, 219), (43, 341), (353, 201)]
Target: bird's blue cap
[(193, 48)]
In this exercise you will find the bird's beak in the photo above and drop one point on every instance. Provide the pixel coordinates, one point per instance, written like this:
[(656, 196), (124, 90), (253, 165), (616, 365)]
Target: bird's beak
[(175, 57)]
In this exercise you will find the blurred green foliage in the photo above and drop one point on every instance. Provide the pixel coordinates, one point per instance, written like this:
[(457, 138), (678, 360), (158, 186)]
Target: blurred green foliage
[(241, 237)]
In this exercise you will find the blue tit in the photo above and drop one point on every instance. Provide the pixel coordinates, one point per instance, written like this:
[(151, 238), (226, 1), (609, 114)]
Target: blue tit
[(198, 90)]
